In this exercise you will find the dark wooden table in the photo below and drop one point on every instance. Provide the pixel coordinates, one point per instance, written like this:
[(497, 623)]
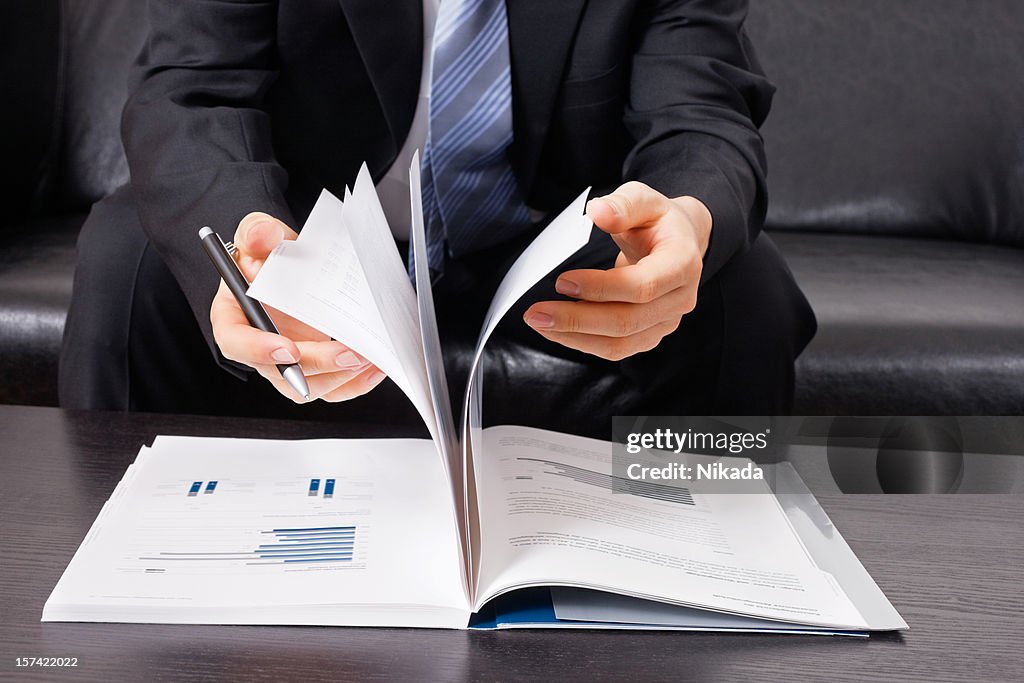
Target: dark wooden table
[(952, 565)]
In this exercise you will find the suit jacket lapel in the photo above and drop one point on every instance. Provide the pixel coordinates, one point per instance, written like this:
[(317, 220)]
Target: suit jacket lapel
[(540, 35), (389, 35)]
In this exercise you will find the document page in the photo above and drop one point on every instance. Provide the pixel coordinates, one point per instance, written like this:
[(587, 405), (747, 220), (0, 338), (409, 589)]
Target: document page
[(563, 237), (239, 531), (322, 279), (430, 335), (549, 516)]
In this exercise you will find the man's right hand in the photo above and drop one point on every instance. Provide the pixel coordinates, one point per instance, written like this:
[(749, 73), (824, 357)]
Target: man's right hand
[(333, 371)]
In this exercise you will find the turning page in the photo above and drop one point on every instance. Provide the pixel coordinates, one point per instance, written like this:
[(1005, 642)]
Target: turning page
[(344, 277), (564, 236)]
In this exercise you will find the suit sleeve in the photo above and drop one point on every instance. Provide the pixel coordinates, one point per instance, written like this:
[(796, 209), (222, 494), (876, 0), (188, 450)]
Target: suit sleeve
[(197, 139), (697, 98)]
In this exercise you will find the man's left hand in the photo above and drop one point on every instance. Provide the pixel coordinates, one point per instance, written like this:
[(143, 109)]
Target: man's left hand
[(630, 308)]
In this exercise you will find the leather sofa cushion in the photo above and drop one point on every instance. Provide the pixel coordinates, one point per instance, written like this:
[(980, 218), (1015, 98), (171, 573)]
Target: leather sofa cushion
[(100, 45), (36, 266), (906, 326), (895, 117), (909, 326), (29, 65)]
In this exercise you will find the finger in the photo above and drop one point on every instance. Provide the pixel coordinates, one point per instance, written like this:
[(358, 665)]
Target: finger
[(319, 357), (258, 234), (612, 348), (242, 343), (610, 319), (653, 276), (320, 386), (295, 329), (362, 384), (633, 205)]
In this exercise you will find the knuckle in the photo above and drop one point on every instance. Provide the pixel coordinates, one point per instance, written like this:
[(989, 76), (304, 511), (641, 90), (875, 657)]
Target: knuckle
[(634, 187), (690, 302), (647, 289), (624, 325)]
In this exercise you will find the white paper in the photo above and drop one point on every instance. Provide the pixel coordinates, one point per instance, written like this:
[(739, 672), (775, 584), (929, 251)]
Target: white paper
[(434, 360), (429, 333), (586, 606), (548, 520), (330, 279), (563, 237), (260, 548)]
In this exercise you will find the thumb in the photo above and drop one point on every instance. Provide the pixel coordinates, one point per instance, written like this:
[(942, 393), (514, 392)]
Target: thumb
[(633, 205), (259, 234)]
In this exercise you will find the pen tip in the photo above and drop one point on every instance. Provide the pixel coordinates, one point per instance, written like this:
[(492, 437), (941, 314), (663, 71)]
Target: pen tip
[(306, 396)]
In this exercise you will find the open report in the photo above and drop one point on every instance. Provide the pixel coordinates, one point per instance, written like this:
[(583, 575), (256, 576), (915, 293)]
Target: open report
[(504, 527)]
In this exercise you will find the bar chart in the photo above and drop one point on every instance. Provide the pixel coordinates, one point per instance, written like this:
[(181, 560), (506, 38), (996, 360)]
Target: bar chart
[(286, 545), (644, 489)]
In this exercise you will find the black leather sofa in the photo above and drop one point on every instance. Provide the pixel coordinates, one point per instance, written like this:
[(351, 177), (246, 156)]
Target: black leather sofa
[(897, 155)]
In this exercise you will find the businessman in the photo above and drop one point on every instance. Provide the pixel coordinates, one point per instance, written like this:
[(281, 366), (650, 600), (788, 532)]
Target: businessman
[(242, 111)]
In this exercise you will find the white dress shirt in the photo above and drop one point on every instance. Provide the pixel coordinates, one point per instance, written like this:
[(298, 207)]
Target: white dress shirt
[(393, 188)]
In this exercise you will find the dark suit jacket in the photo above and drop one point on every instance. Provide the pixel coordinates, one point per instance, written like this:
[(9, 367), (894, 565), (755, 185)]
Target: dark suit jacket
[(255, 105)]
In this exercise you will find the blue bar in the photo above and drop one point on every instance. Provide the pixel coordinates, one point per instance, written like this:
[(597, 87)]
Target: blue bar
[(196, 485), (314, 528), (307, 552), (278, 557), (326, 559), (315, 537), (340, 550), (314, 486), (210, 486), (330, 544), (329, 488), (321, 552)]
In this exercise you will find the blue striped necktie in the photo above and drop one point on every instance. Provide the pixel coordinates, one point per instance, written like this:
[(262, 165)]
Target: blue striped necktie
[(470, 197)]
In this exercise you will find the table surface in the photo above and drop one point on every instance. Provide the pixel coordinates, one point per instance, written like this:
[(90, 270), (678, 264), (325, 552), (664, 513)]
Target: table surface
[(952, 565)]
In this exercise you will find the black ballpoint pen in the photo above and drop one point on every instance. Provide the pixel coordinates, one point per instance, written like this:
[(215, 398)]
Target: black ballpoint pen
[(254, 311)]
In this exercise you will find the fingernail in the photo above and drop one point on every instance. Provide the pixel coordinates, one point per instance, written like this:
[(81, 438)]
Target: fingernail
[(348, 360), (260, 225), (377, 377), (540, 321), (283, 356), (567, 287)]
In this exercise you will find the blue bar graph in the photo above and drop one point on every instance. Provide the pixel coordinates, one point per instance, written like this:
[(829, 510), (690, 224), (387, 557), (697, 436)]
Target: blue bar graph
[(314, 486), (284, 546), (196, 485), (211, 486), (312, 543), (329, 488)]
